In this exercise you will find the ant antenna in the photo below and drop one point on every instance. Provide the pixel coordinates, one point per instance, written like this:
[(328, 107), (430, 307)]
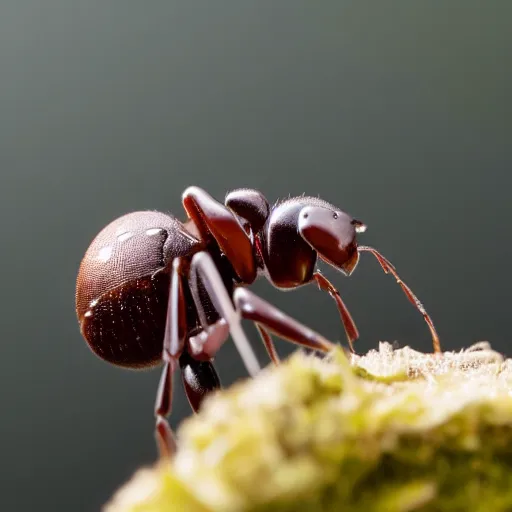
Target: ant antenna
[(387, 267)]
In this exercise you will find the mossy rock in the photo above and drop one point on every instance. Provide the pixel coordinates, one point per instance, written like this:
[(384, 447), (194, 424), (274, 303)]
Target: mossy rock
[(394, 430)]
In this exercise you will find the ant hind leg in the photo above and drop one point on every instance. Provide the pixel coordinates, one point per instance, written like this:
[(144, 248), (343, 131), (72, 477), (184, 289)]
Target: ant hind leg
[(175, 329), (199, 379)]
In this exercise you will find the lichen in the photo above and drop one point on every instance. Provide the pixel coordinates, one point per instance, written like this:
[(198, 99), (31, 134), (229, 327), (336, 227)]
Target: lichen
[(394, 430)]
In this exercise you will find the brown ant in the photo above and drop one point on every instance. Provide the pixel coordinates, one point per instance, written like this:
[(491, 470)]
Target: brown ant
[(153, 289)]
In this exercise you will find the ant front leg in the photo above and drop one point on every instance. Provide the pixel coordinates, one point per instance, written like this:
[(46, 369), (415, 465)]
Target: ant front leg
[(213, 219), (348, 323), (250, 306), (174, 335)]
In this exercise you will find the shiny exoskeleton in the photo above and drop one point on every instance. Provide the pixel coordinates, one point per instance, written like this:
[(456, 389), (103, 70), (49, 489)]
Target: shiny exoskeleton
[(152, 289)]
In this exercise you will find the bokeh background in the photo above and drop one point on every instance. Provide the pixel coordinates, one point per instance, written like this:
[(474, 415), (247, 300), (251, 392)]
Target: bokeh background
[(400, 113)]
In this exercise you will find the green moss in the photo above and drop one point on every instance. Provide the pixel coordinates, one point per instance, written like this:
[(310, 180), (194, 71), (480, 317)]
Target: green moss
[(395, 430)]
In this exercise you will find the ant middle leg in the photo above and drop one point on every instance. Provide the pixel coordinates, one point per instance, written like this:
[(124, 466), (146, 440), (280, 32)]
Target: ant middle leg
[(266, 337), (213, 336), (248, 305), (203, 267), (262, 312)]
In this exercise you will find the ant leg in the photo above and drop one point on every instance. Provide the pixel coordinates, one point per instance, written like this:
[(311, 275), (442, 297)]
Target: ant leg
[(203, 264), (269, 344), (387, 267), (258, 310), (175, 329), (199, 379), (213, 219), (348, 323), (163, 432), (253, 308), (206, 344)]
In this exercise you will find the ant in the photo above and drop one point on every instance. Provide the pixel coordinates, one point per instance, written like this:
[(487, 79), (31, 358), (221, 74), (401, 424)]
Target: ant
[(153, 289)]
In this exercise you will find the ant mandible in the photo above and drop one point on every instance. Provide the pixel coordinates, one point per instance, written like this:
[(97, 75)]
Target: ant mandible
[(153, 289)]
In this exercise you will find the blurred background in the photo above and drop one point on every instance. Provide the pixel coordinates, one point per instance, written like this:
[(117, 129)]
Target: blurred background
[(400, 116)]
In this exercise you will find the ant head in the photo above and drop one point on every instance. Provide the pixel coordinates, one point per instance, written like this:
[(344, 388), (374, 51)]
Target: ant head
[(332, 234)]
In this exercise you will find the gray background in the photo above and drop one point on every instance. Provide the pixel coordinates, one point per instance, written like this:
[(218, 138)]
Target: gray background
[(398, 113)]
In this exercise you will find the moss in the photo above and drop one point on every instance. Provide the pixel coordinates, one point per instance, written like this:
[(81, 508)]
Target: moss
[(394, 430)]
